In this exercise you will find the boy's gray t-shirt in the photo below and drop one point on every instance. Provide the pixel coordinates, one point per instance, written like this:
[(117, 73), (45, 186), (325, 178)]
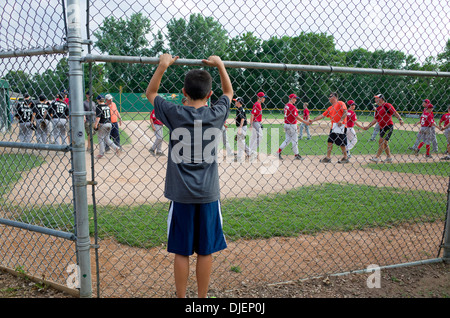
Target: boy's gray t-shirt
[(192, 173)]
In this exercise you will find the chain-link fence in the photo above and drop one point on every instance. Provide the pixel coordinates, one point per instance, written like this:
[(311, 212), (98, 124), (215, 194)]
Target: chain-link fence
[(290, 209)]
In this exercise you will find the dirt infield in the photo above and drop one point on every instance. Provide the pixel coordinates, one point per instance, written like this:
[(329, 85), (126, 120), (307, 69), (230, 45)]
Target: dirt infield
[(137, 178)]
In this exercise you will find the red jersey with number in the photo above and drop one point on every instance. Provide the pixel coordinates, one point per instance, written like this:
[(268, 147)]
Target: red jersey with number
[(445, 119), (305, 114), (257, 112), (155, 120), (290, 114), (427, 119), (383, 115), (351, 118)]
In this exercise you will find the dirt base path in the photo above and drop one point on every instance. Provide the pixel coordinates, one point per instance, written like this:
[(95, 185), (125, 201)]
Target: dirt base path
[(136, 177)]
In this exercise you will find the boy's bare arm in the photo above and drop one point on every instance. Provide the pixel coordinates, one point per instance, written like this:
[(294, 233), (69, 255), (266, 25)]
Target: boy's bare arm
[(216, 61), (165, 61)]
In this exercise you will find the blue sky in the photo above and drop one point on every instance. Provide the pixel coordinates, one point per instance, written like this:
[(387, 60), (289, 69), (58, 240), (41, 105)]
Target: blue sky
[(420, 28)]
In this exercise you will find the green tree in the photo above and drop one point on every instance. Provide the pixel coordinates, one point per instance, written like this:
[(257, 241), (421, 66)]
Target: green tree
[(126, 37), (20, 82), (197, 38)]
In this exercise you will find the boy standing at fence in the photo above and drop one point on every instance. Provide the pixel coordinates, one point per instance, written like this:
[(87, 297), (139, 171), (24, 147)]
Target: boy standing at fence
[(192, 178)]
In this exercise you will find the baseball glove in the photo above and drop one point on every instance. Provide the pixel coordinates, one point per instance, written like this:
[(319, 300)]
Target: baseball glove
[(43, 125)]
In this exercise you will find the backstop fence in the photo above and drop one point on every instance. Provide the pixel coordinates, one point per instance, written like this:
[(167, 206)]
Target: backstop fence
[(93, 221)]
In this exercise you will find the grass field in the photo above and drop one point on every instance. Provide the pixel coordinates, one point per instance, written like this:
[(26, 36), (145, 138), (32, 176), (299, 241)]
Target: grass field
[(298, 211), (307, 210)]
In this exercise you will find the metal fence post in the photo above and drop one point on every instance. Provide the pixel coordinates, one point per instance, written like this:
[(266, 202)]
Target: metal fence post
[(446, 243), (78, 144)]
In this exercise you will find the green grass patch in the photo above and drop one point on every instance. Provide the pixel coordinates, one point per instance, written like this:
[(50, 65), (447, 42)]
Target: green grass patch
[(12, 167), (305, 210), (328, 207), (124, 138)]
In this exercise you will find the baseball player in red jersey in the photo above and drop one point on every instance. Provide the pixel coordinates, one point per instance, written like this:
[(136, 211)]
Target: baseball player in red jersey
[(290, 127), (255, 125), (157, 127), (445, 121), (426, 134), (352, 139), (383, 116), (303, 125)]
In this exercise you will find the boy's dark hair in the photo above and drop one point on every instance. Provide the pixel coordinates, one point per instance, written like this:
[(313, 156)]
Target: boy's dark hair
[(197, 84)]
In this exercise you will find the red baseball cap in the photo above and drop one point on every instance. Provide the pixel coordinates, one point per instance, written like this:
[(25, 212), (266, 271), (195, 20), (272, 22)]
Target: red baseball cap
[(427, 101), (351, 102), (293, 96), (261, 94)]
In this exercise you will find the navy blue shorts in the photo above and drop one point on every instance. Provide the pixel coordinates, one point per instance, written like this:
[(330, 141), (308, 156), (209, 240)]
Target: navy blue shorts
[(195, 228)]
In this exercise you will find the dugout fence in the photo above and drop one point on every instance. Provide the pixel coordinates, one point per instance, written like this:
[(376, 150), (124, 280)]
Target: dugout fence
[(98, 227)]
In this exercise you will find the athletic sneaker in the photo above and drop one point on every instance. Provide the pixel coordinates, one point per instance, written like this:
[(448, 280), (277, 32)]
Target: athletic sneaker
[(279, 156), (298, 157), (428, 156), (416, 152), (343, 160), (325, 160), (389, 159), (99, 156), (446, 157), (374, 159)]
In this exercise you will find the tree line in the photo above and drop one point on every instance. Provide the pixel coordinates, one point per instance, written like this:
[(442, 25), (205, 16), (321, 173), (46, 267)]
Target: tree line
[(199, 37)]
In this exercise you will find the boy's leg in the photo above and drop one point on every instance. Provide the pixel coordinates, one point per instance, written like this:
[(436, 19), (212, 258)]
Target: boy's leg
[(203, 272), (181, 273)]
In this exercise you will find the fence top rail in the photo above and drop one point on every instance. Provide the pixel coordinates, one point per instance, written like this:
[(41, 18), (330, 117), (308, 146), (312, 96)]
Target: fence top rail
[(33, 52), (90, 58)]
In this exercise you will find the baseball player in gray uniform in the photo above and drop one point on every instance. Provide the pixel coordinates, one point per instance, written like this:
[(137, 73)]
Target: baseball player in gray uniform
[(24, 113), (241, 124), (42, 118), (103, 126), (59, 111)]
